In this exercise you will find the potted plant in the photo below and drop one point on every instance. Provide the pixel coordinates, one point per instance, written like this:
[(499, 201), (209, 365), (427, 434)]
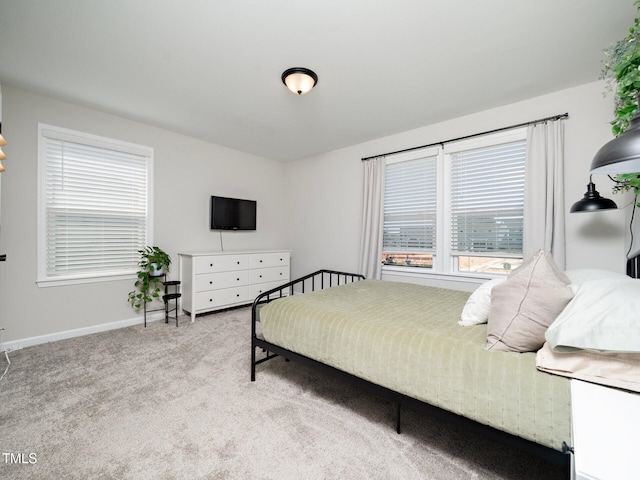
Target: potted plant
[(621, 72), (154, 263)]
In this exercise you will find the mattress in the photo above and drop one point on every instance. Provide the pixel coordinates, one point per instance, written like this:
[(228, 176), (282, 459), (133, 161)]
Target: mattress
[(405, 337)]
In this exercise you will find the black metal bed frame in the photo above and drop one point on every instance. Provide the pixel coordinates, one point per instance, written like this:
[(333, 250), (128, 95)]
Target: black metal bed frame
[(327, 278)]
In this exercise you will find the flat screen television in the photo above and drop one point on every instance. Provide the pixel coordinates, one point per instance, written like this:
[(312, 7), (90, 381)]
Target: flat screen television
[(232, 214)]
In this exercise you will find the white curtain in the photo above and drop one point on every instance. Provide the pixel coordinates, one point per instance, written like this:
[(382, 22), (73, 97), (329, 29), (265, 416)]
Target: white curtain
[(544, 211), (372, 218)]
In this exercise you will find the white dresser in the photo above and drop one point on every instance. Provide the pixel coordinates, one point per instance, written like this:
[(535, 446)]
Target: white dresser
[(213, 281)]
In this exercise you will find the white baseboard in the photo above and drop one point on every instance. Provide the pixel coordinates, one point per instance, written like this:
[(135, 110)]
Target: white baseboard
[(78, 332)]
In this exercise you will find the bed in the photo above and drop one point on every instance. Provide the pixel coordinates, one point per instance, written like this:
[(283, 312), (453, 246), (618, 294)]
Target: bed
[(409, 344)]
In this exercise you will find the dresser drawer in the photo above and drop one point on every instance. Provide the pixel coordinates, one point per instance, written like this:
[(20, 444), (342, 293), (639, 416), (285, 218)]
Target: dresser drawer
[(262, 275), (268, 259), (263, 287), (220, 263), (214, 281), (220, 298)]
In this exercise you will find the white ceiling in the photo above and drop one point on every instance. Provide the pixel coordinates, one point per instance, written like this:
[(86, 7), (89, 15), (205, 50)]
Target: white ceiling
[(211, 68)]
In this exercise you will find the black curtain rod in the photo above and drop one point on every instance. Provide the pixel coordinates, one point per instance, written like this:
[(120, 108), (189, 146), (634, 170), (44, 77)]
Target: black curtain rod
[(526, 124)]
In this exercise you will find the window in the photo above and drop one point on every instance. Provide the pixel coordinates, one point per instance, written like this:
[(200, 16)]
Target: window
[(457, 209), (94, 206), (409, 230)]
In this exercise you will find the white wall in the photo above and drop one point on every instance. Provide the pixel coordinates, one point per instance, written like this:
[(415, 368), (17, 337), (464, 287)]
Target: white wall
[(325, 191), (187, 173), (312, 206)]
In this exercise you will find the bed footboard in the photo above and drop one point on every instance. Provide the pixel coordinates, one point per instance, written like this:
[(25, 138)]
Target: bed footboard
[(309, 283)]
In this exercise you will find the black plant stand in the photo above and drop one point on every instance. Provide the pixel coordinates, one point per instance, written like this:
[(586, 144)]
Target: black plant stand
[(166, 298)]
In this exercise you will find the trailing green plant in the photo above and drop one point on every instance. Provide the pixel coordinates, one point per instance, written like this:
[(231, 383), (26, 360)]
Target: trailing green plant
[(621, 72), (627, 181), (153, 264)]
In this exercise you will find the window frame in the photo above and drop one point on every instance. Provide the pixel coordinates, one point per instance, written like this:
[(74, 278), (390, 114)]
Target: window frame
[(58, 133), (413, 156), (445, 264)]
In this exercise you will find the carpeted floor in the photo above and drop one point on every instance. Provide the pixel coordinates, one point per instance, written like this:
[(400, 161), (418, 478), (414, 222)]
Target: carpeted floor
[(177, 403)]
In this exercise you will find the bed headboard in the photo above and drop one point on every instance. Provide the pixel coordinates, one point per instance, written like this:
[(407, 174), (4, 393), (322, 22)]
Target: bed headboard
[(633, 267)]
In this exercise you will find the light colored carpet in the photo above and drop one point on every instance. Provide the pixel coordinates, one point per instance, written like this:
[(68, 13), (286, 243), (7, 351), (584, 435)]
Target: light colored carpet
[(177, 403)]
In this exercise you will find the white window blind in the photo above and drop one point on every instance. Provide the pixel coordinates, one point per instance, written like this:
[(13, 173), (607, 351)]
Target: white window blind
[(95, 207), (410, 206), (487, 198)]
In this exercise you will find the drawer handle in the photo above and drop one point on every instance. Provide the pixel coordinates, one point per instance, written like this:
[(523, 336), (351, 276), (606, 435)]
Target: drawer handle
[(211, 299), (211, 264), (237, 294), (260, 276), (260, 261), (238, 262), (237, 279), (210, 283), (280, 273)]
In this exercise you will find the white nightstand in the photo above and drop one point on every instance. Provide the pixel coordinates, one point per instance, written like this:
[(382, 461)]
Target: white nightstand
[(606, 432)]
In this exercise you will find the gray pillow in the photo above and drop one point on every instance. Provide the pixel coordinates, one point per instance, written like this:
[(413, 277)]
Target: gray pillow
[(524, 305)]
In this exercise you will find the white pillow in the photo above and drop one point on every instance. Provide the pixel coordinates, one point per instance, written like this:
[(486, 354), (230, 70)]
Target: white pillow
[(581, 275), (476, 310), (604, 315)]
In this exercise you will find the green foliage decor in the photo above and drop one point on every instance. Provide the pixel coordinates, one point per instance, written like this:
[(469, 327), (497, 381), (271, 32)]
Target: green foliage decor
[(153, 264), (621, 72)]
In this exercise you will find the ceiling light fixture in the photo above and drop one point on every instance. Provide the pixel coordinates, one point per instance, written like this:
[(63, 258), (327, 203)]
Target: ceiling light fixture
[(299, 80)]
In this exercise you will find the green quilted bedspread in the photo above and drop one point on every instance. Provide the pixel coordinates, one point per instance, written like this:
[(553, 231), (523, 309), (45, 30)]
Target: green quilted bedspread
[(405, 337)]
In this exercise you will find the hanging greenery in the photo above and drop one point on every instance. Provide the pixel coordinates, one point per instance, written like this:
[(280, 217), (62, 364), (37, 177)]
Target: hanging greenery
[(621, 72)]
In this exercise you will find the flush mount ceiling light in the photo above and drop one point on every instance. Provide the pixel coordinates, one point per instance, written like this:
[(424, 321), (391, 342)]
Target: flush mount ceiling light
[(299, 80)]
